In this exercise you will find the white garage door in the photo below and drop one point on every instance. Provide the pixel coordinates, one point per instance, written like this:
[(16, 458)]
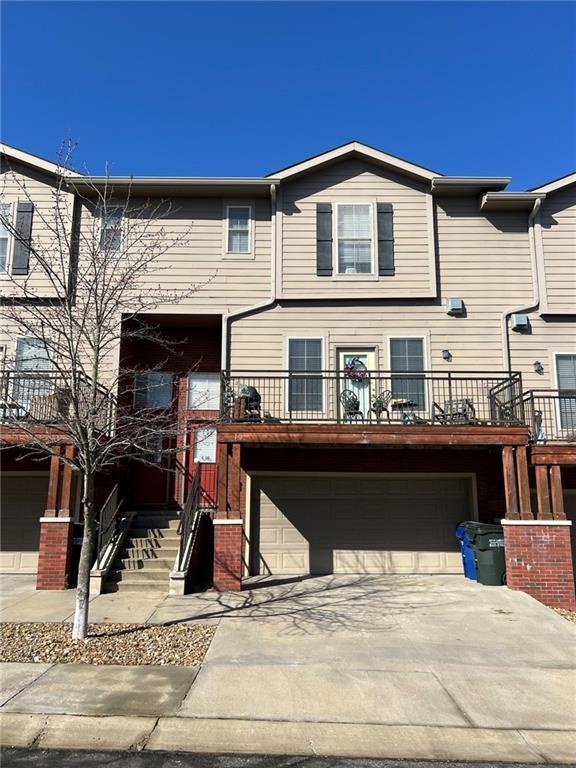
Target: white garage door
[(361, 525), (22, 501)]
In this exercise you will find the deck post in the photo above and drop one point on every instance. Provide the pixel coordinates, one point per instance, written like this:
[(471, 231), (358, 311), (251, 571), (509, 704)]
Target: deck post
[(558, 512), (53, 484), (511, 493), (543, 493), (523, 484)]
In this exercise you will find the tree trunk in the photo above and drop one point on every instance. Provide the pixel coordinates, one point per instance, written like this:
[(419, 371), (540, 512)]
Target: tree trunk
[(80, 628)]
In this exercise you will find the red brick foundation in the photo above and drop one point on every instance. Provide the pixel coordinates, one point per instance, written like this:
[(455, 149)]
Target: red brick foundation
[(539, 560), (227, 555), (54, 555)]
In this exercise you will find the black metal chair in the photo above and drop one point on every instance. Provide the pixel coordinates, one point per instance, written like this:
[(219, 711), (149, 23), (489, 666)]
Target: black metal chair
[(380, 405), (350, 406)]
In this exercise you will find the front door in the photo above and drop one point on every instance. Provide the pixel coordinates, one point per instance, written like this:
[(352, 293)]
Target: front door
[(355, 367), (153, 478)]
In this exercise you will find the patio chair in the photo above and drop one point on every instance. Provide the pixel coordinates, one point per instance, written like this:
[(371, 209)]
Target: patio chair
[(350, 406), (455, 412), (380, 405)]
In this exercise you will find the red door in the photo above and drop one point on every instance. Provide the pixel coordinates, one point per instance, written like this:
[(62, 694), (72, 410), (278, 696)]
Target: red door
[(153, 481), (203, 452)]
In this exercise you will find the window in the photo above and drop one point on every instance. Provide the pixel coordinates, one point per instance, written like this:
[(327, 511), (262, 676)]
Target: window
[(205, 446), (354, 240), (32, 381), (111, 229), (238, 235), (407, 356), (566, 373), (305, 392), (5, 215), (32, 355), (204, 391), (153, 389)]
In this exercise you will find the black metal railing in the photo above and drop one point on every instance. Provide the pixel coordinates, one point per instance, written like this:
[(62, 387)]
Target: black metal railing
[(110, 523), (376, 397), (551, 415), (49, 397), (201, 499)]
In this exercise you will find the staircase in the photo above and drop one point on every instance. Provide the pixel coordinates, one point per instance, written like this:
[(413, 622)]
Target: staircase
[(144, 562)]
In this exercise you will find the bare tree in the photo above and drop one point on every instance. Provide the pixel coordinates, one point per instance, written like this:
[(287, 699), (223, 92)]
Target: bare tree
[(93, 275)]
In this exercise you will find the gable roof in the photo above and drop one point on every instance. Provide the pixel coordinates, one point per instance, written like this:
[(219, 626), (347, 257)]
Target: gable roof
[(356, 149), (552, 186), (36, 162)]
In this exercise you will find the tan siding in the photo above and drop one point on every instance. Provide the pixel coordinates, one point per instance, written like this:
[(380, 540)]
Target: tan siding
[(558, 227), (488, 281), (223, 283), (353, 180), (21, 183)]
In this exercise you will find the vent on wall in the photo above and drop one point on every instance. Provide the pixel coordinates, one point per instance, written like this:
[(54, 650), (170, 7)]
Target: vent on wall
[(519, 322), (455, 306)]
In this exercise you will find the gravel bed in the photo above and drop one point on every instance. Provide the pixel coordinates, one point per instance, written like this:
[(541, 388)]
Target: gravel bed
[(568, 615), (124, 644)]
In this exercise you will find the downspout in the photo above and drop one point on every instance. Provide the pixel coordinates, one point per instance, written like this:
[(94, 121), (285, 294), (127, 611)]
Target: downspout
[(226, 319), (536, 283)]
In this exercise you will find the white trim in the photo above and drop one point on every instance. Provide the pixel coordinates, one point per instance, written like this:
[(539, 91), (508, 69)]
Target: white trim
[(396, 163), (425, 359), (535, 522), (56, 519), (237, 521), (323, 367), (112, 206), (355, 276), (35, 161), (249, 254), (5, 273), (554, 353), (552, 186)]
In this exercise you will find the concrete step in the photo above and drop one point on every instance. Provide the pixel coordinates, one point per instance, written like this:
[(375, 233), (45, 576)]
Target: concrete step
[(153, 533), (139, 564), (131, 577), (153, 521), (148, 553), (156, 587)]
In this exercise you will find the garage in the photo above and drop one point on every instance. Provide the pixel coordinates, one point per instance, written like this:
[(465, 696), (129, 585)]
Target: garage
[(23, 501), (351, 524)]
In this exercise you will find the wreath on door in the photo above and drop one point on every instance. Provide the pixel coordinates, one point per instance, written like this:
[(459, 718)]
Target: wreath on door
[(355, 370)]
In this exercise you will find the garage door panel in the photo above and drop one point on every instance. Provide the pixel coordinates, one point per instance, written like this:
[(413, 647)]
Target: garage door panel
[(23, 502), (367, 525)]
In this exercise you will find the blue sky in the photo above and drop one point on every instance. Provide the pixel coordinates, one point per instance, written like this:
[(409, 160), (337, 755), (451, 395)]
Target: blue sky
[(246, 88)]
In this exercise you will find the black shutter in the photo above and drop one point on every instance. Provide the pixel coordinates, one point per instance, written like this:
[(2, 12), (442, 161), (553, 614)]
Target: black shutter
[(323, 239), (385, 239), (21, 257)]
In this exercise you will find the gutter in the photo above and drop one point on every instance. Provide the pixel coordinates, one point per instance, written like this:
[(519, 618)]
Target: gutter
[(536, 283), (227, 319)]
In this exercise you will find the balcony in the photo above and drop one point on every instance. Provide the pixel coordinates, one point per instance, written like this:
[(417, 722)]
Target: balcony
[(49, 398), (551, 415), (373, 397)]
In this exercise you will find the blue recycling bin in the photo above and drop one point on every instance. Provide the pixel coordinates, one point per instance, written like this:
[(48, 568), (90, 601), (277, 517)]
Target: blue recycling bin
[(467, 551)]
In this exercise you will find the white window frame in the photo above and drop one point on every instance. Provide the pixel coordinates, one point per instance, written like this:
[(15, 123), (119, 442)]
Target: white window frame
[(555, 356), (322, 339), (425, 359), (4, 273), (101, 212), (217, 376), (196, 448), (249, 254), (26, 337), (373, 274)]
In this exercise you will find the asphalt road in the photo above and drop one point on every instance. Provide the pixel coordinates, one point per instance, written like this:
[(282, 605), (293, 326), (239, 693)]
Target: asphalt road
[(35, 758)]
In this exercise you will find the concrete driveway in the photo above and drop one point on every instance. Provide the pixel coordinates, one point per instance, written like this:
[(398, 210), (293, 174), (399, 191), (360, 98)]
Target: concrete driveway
[(408, 650)]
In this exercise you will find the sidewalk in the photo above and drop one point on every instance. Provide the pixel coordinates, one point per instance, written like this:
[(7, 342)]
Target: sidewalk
[(396, 667)]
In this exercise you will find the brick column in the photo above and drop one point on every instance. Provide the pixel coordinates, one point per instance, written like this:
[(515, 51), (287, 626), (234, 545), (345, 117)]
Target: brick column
[(54, 555), (539, 560), (228, 536)]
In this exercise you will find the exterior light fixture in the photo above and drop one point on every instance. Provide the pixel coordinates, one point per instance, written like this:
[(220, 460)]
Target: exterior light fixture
[(538, 367), (446, 355)]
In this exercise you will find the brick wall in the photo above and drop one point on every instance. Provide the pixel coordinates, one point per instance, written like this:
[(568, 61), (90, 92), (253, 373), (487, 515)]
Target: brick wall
[(54, 554), (227, 556), (539, 562)]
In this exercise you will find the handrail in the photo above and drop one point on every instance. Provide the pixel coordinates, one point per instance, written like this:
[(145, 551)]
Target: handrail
[(551, 415), (109, 523), (198, 502)]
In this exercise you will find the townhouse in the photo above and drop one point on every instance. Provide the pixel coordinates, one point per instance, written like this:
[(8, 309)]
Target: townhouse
[(374, 352)]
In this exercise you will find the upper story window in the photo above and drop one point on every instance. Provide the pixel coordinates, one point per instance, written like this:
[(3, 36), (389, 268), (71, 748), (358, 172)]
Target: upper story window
[(566, 376), (407, 357), (111, 228), (153, 389), (355, 239), (204, 391), (239, 234), (305, 391), (5, 237)]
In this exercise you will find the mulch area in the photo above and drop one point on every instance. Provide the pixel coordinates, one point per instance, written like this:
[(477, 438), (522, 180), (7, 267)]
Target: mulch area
[(124, 644)]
